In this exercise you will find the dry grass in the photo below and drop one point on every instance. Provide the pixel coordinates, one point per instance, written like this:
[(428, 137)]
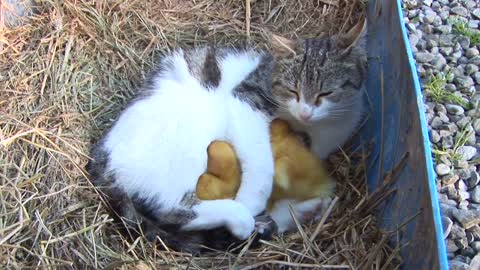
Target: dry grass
[(64, 76)]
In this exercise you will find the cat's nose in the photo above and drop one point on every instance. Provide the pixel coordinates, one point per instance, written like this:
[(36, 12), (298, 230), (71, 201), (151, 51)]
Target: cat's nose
[(305, 115)]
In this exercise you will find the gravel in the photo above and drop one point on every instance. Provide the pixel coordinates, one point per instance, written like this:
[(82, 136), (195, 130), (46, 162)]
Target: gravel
[(454, 122), (466, 152), (442, 169)]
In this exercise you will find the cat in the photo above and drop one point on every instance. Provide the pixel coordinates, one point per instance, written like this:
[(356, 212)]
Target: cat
[(148, 163), (320, 86)]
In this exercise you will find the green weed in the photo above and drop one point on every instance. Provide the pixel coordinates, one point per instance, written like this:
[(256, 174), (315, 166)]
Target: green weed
[(461, 28), (436, 90)]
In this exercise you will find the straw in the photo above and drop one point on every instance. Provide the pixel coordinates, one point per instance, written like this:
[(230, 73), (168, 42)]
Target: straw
[(66, 73)]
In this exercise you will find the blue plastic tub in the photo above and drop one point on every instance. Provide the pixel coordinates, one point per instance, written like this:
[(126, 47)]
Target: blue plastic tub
[(398, 129)]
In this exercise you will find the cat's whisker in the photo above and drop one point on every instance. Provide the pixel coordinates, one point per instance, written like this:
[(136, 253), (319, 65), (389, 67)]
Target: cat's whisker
[(273, 100)]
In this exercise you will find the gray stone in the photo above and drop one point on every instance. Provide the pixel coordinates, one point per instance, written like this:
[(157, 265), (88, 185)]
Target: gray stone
[(466, 152), (429, 117), (462, 164), (469, 236), (450, 179), (475, 231), (424, 57), (462, 197), (456, 55), (452, 193), (455, 109), (470, 4), (463, 122), (451, 127), (444, 159), (444, 118), (437, 21), (464, 42), (446, 50), (442, 169), (476, 13), (411, 27), (450, 87), (467, 218), (473, 24), (461, 11), (451, 246), (475, 194), (475, 60), (439, 62), (434, 136), (429, 16), (455, 118), (458, 71), (467, 91), (463, 173), (475, 263), (446, 40), (463, 204), (468, 252), (421, 46), (476, 246), (474, 206), (444, 15), (444, 133), (447, 208), (461, 185), (447, 224), (461, 242), (428, 28), (471, 52), (448, 142), (476, 76), (457, 232), (440, 108), (444, 29), (463, 81), (427, 2), (421, 71), (436, 122), (456, 265), (474, 179), (476, 125), (413, 13), (471, 69), (414, 38), (463, 60)]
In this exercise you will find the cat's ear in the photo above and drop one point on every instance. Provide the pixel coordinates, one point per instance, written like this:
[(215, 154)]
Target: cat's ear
[(355, 36), (283, 47)]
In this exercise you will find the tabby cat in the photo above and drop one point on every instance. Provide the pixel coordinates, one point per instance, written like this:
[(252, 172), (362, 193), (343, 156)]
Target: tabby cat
[(148, 163)]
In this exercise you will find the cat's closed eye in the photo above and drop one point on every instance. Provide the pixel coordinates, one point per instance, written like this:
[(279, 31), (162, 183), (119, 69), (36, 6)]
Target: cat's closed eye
[(349, 83), (295, 93), (320, 96)]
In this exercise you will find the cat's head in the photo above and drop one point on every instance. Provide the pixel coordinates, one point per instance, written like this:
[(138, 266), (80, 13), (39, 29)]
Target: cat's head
[(322, 77)]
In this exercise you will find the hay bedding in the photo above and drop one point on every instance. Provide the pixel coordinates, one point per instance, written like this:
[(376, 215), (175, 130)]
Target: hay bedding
[(64, 76)]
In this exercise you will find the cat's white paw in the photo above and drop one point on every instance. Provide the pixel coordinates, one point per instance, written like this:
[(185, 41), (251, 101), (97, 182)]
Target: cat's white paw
[(255, 202), (241, 224)]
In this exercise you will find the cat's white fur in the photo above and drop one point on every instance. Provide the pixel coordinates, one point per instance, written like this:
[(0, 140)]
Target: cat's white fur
[(158, 145), (330, 125)]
